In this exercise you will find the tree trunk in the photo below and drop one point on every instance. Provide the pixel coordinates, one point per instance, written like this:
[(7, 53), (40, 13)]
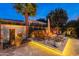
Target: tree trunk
[(27, 23)]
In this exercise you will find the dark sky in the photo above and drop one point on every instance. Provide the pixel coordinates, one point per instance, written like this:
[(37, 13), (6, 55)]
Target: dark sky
[(8, 12)]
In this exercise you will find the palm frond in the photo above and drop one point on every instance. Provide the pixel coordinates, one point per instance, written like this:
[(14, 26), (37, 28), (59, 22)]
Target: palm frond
[(30, 8)]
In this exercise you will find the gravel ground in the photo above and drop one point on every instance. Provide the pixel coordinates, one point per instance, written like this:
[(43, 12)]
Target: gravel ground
[(50, 42)]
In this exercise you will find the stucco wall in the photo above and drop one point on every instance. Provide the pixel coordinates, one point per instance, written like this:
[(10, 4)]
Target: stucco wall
[(5, 30)]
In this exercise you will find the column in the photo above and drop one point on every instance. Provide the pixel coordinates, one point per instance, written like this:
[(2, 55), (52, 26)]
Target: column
[(48, 25)]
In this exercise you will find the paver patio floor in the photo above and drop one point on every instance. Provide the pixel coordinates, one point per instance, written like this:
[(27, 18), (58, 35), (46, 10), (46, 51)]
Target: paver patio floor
[(24, 50), (33, 50)]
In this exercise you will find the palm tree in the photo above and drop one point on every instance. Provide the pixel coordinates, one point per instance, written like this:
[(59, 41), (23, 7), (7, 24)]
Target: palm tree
[(26, 9)]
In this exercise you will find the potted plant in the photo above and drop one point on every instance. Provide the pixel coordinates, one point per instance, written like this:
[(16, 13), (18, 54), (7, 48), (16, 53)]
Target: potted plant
[(18, 39)]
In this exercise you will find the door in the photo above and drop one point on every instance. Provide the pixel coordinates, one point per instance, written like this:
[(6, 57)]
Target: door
[(11, 36)]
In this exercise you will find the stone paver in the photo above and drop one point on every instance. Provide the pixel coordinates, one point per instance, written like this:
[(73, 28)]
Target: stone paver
[(24, 50), (76, 47)]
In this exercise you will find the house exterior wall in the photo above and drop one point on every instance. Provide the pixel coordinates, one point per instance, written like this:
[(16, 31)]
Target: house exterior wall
[(5, 31)]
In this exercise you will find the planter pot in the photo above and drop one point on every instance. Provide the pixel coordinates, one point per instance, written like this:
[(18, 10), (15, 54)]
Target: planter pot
[(17, 43), (13, 42)]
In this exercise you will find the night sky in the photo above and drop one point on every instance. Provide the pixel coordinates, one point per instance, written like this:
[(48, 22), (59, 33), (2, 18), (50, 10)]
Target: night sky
[(7, 11)]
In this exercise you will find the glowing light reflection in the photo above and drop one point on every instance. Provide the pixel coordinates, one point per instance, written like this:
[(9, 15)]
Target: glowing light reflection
[(68, 50), (46, 49)]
